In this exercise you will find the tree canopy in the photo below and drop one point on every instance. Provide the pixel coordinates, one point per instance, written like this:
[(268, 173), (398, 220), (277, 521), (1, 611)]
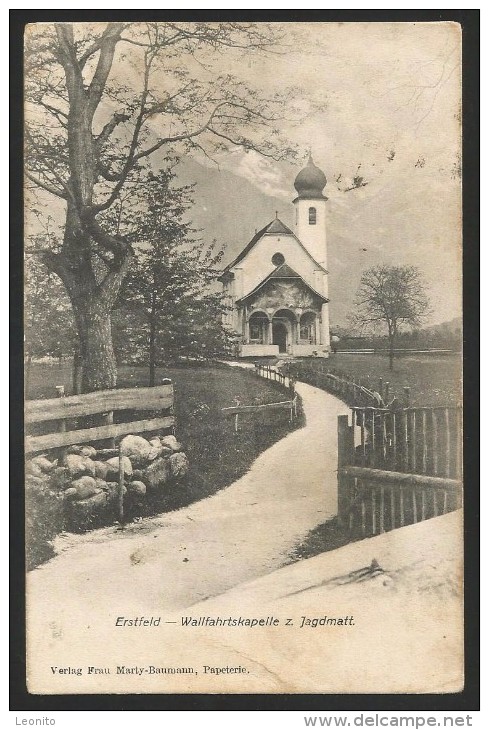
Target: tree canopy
[(101, 100), (390, 298), (168, 306)]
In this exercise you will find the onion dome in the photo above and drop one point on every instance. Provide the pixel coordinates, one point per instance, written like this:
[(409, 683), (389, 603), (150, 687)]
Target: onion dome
[(310, 181)]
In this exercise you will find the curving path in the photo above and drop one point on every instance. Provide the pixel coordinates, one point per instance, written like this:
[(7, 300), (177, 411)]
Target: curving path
[(181, 558), (221, 557)]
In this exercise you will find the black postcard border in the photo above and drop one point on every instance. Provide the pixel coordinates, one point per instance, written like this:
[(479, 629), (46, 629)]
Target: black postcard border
[(469, 698)]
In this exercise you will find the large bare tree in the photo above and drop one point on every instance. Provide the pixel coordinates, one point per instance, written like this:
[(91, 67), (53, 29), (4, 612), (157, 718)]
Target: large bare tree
[(101, 100), (390, 298)]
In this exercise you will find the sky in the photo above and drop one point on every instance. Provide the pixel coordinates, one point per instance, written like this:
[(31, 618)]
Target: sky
[(391, 96), (380, 101)]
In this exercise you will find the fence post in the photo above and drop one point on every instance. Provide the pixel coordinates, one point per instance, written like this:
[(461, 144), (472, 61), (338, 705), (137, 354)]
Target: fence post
[(109, 420), (61, 394), (407, 396), (345, 457), (121, 486)]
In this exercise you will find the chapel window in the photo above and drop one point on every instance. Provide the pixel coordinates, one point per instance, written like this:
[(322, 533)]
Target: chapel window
[(312, 216), (256, 332)]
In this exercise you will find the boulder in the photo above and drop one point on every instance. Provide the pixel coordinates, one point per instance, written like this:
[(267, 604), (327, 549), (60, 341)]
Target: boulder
[(84, 487), (114, 467), (101, 484), (171, 443), (75, 449), (178, 465), (60, 478), (136, 448), (101, 469), (33, 469), (78, 465), (156, 449), (89, 451), (112, 493), (138, 488), (39, 484), (84, 509), (44, 464), (157, 473)]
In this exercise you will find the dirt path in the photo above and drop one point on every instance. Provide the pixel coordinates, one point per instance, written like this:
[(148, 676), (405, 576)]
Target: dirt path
[(238, 539), (183, 557)]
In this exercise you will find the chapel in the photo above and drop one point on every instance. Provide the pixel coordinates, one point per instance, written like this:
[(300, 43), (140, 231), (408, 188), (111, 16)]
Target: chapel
[(277, 287)]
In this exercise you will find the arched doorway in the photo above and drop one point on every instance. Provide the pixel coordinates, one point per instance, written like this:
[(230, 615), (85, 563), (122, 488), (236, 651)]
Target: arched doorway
[(284, 329), (307, 328), (258, 327), (279, 331)]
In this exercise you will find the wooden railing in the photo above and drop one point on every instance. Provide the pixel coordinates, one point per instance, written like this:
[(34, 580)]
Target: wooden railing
[(353, 391), (398, 468), (59, 411), (275, 376), (285, 382), (236, 411), (417, 440)]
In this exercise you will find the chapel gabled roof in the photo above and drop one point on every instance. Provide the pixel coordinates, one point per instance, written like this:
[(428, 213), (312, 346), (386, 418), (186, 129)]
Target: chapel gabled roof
[(284, 271), (275, 227)]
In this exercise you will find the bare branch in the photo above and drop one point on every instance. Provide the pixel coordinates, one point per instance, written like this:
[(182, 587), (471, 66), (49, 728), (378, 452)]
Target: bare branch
[(45, 186)]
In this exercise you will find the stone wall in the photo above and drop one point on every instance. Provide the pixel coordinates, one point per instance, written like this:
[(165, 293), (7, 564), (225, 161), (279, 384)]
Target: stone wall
[(84, 481)]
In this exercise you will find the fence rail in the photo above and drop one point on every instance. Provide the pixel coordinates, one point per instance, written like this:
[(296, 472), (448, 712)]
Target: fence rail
[(353, 391), (236, 411), (275, 376), (419, 440), (381, 485), (271, 374), (104, 403)]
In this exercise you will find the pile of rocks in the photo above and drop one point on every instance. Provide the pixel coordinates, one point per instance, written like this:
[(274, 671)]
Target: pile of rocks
[(88, 483)]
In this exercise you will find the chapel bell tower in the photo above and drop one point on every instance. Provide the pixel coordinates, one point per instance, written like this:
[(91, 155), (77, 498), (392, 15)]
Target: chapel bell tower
[(310, 211), (310, 229)]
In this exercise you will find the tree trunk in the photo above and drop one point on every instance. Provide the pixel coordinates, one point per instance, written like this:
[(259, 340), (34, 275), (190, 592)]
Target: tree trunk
[(92, 301), (77, 371), (152, 350), (391, 351), (98, 364)]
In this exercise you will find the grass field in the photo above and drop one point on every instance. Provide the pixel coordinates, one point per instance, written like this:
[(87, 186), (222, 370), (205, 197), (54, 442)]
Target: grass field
[(216, 454), (434, 379)]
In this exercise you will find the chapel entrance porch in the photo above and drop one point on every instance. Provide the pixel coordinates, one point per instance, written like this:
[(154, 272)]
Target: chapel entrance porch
[(292, 332)]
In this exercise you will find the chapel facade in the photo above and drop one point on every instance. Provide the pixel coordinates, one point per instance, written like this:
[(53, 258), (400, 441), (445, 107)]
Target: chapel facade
[(277, 287)]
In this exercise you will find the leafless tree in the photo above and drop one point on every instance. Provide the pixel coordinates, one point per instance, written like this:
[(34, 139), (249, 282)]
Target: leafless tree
[(390, 298), (101, 99)]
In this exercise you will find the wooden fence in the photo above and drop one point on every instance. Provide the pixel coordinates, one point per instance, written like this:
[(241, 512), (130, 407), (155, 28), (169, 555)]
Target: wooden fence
[(269, 373), (58, 412), (417, 440), (353, 391), (65, 411), (398, 468), (284, 381), (236, 411)]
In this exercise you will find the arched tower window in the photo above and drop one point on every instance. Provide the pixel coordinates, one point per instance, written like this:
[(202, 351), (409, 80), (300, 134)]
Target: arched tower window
[(312, 216)]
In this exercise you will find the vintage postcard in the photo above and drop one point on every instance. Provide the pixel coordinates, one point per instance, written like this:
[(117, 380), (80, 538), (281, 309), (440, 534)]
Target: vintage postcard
[(243, 315)]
